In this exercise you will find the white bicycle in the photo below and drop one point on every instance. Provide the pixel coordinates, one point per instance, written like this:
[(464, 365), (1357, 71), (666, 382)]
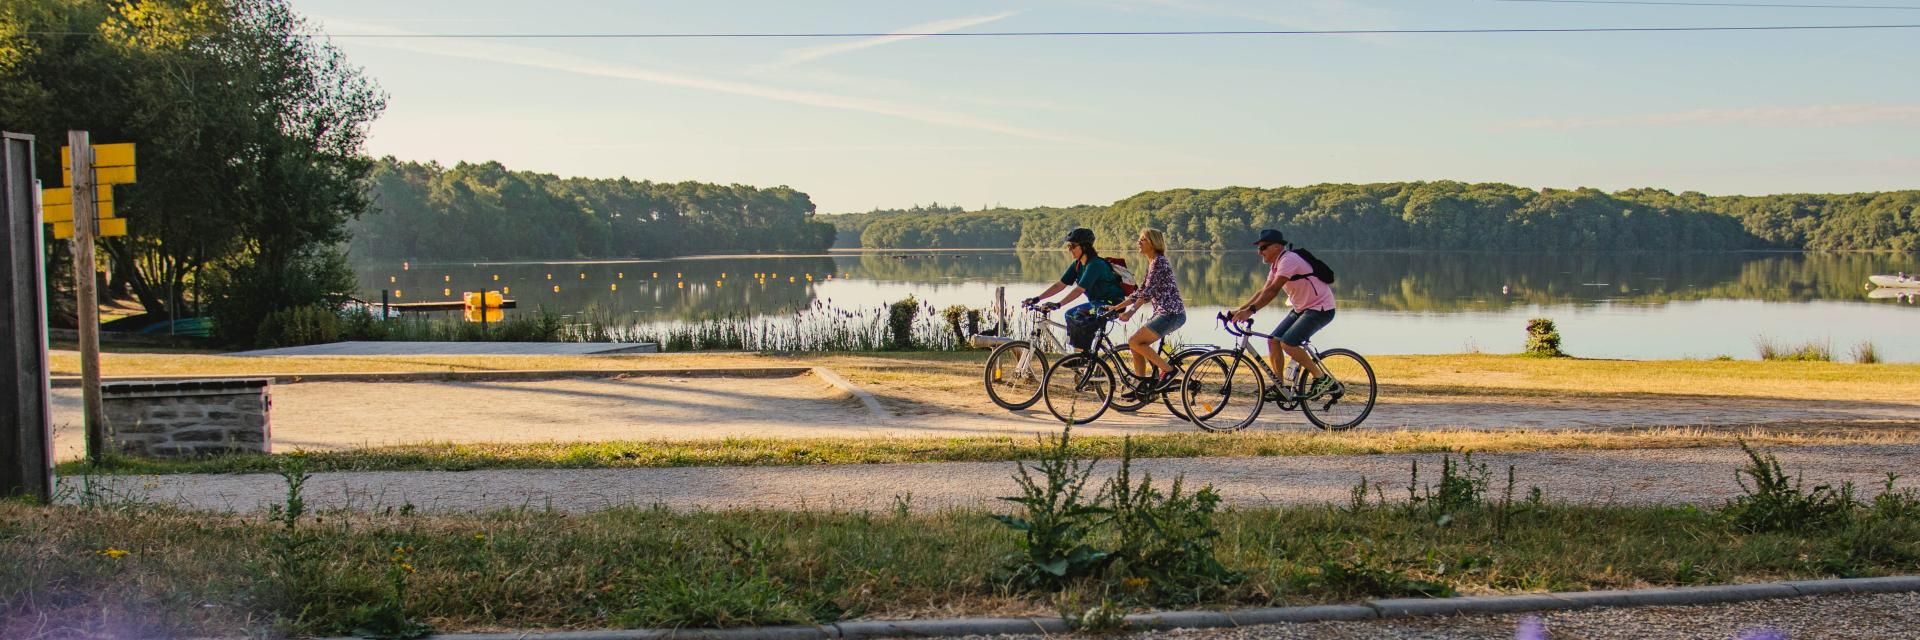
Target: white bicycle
[(1017, 371)]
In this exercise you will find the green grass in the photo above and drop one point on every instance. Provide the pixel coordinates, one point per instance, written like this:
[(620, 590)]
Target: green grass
[(193, 573), (775, 452)]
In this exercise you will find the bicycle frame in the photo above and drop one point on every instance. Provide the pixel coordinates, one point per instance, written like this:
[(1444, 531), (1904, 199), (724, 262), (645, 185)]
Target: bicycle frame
[(1245, 333)]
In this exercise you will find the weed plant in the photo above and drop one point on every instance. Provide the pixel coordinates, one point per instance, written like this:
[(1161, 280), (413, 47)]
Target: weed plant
[(1804, 352)]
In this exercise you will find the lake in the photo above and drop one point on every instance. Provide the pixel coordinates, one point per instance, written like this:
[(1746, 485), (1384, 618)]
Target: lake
[(1608, 305)]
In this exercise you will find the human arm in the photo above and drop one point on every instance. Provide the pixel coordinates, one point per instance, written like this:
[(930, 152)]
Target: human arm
[(1057, 286), (1260, 298)]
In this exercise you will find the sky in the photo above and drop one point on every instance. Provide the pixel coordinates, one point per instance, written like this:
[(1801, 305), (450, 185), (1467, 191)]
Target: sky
[(893, 121)]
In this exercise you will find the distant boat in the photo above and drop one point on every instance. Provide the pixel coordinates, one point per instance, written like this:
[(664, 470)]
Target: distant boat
[(1902, 280)]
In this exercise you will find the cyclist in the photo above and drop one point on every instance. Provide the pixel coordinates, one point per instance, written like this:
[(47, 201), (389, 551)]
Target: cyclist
[(1312, 302), (1169, 313), (1089, 274)]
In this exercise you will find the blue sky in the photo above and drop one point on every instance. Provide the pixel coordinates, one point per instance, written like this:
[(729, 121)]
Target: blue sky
[(860, 123)]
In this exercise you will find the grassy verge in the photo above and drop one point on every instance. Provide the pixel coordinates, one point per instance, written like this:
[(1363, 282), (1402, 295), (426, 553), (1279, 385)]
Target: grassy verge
[(141, 571), (919, 371), (775, 452)]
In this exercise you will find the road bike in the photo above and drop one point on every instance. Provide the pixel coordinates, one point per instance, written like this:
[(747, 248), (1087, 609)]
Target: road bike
[(1225, 389), (1017, 370), (1080, 387)]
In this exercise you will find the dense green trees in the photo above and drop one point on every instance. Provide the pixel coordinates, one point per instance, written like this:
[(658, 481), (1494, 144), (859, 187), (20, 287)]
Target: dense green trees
[(249, 134), (1439, 215), (486, 212)]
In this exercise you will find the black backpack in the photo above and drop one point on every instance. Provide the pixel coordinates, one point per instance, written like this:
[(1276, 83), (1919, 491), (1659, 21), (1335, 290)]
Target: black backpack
[(1320, 268)]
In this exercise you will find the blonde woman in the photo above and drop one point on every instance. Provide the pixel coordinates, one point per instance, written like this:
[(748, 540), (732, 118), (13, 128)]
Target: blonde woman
[(1169, 312)]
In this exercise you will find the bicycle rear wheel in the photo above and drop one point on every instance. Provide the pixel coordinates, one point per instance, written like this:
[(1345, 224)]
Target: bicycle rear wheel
[(1078, 388), (1172, 397), (1353, 394), (1014, 374), (1223, 391)]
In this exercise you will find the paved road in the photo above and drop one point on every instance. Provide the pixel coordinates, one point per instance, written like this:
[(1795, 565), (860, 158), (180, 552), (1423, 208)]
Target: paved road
[(1695, 476)]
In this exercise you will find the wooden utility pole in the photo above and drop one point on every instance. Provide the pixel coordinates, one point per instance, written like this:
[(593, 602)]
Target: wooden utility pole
[(26, 426), (93, 414)]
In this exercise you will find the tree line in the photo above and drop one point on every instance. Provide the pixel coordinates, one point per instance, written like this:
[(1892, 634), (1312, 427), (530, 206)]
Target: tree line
[(483, 211), (1432, 215)]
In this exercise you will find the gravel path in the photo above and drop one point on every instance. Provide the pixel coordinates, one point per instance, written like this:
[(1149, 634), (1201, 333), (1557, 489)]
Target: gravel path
[(1695, 476), (1825, 618), (341, 415)]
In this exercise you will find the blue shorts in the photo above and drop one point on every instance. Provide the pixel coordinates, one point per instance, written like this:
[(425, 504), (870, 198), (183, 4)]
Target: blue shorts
[(1299, 326), (1166, 323)]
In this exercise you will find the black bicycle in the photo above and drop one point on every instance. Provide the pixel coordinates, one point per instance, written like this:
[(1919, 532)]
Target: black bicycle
[(1226, 388), (1081, 386)]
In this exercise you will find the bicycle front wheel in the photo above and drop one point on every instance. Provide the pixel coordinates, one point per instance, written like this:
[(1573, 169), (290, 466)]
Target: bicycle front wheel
[(1078, 388), (1014, 374), (1223, 391), (1353, 394)]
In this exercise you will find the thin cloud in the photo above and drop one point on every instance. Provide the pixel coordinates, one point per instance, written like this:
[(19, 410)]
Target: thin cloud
[(544, 59), (809, 54), (1813, 116)]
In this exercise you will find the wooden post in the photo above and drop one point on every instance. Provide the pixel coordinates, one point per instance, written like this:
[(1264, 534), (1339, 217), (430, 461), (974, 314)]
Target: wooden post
[(26, 426), (93, 414), (1000, 307)]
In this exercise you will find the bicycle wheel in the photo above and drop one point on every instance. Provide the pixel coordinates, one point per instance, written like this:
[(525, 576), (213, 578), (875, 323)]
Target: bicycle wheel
[(1014, 374), (1180, 362), (1078, 388), (1121, 360), (1222, 391), (1353, 394)]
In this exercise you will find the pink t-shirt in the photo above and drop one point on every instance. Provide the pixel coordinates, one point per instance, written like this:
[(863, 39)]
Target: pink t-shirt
[(1305, 293)]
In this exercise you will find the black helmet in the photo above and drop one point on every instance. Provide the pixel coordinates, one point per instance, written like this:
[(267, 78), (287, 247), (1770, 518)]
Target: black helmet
[(1081, 236)]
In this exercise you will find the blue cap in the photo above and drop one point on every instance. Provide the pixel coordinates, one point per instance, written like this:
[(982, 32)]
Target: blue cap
[(1271, 236)]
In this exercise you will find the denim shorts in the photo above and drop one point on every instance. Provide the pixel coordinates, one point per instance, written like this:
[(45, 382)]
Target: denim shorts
[(1299, 326), (1166, 323)]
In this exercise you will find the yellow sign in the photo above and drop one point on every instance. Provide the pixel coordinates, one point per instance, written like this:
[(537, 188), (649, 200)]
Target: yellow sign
[(64, 212), (106, 228), (64, 195), (112, 163), (493, 314)]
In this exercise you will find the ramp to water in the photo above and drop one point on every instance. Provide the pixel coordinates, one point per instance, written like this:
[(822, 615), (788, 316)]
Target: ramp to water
[(460, 349)]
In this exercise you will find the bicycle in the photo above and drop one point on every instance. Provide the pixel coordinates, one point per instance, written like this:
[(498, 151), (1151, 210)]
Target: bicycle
[(1236, 378), (1093, 380), (1012, 378)]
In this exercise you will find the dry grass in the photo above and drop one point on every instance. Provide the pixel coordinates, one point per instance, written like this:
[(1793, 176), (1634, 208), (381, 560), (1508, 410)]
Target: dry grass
[(824, 451), (945, 372)]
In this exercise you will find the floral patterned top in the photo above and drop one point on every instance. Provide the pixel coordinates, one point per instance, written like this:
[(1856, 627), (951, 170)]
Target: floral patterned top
[(1160, 289)]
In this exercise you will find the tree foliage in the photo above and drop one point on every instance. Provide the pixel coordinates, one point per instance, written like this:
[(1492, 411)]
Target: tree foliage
[(1439, 215), (485, 211), (249, 131)]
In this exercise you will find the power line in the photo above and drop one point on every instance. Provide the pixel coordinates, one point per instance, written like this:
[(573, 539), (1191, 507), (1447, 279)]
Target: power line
[(1728, 4), (1028, 34)]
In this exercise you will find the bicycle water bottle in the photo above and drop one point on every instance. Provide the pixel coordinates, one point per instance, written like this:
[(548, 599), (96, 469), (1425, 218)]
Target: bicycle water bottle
[(1293, 371)]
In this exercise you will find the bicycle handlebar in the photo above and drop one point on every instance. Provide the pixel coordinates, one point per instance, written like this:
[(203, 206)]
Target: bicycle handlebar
[(1235, 329)]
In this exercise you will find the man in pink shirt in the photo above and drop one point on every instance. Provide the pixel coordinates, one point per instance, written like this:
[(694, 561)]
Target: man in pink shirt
[(1312, 302)]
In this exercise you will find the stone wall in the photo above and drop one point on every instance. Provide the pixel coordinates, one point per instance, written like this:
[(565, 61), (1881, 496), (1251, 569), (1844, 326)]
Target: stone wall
[(188, 418)]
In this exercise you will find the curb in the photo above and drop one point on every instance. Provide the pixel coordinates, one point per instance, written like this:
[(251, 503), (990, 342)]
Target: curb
[(73, 382), (1161, 621), (872, 403)]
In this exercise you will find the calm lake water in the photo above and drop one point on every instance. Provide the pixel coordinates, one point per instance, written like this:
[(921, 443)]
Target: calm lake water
[(1640, 306)]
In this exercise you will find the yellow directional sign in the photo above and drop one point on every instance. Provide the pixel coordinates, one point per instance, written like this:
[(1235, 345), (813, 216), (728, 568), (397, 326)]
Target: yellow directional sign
[(56, 204), (64, 195), (64, 212), (107, 227), (112, 163)]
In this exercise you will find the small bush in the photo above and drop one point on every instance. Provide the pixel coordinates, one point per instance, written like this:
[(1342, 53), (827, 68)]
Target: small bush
[(1462, 486), (1805, 352), (1543, 339), (1057, 520), (1360, 573), (962, 321), (310, 324), (1866, 353), (1167, 538), (1776, 501), (900, 323)]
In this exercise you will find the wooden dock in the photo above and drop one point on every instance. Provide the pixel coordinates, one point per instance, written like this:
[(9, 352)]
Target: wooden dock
[(449, 305)]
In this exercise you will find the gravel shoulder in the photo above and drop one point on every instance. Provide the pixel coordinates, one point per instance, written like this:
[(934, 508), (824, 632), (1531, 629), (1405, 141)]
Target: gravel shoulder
[(1852, 617), (1700, 476)]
